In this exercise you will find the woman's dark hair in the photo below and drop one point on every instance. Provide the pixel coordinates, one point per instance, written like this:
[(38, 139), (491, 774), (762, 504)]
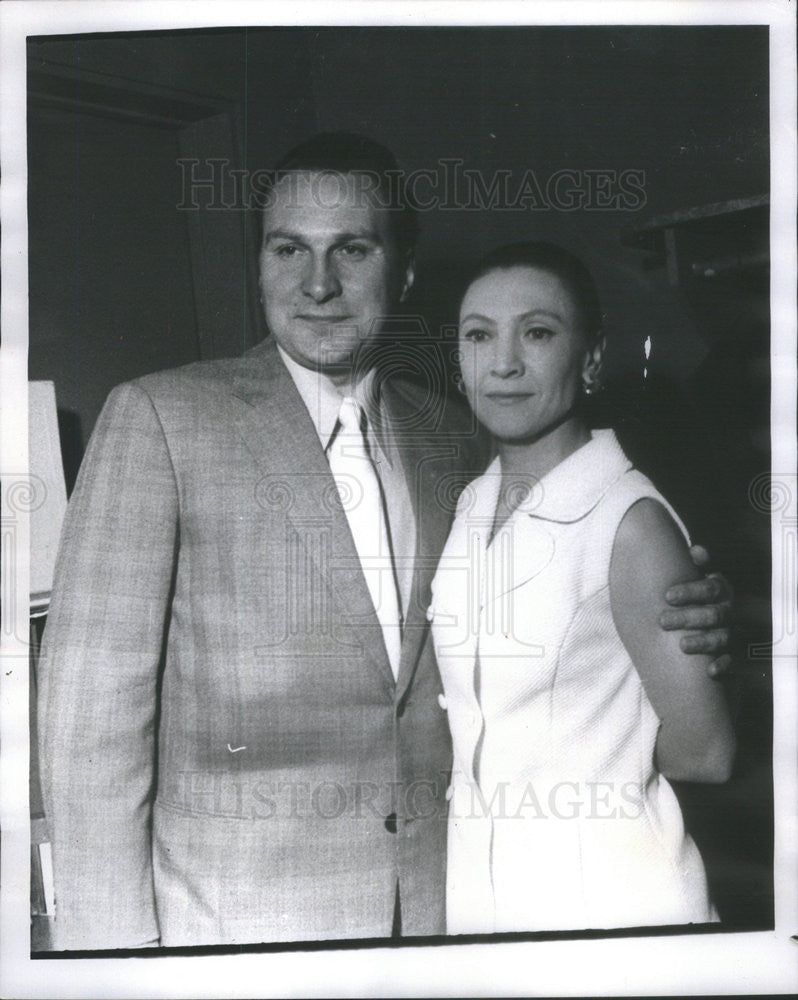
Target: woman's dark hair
[(555, 260), (350, 153)]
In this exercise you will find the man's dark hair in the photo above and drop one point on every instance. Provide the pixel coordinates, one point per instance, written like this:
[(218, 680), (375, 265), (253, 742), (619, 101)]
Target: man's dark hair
[(556, 260), (350, 153)]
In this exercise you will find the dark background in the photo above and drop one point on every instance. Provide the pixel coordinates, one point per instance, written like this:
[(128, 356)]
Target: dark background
[(123, 281)]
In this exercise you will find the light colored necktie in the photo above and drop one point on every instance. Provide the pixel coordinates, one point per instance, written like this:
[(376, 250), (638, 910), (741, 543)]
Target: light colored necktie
[(361, 496)]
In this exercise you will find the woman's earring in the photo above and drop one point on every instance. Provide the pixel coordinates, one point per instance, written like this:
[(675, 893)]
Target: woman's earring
[(458, 381), (591, 385)]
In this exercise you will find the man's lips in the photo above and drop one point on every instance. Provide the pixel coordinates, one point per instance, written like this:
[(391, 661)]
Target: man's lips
[(318, 318)]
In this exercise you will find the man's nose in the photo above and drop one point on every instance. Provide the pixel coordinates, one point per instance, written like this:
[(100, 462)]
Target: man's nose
[(320, 280), (506, 359)]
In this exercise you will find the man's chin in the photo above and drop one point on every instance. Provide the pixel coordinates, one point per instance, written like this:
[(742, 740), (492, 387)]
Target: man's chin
[(338, 369), (335, 356), (338, 358)]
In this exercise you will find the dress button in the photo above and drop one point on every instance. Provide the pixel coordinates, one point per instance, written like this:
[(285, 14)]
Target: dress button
[(449, 793), (390, 823), (442, 701)]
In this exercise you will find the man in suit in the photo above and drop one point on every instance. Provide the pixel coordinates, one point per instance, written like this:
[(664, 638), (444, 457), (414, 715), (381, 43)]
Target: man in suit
[(243, 740)]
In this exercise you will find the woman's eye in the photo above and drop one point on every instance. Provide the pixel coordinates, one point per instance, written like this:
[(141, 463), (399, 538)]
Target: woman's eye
[(475, 334), (538, 333)]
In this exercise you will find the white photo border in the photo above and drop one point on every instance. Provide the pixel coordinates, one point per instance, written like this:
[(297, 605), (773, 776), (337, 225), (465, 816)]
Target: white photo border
[(761, 962)]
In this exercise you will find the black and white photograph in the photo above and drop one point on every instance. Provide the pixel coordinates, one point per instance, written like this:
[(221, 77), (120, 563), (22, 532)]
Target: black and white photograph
[(399, 500)]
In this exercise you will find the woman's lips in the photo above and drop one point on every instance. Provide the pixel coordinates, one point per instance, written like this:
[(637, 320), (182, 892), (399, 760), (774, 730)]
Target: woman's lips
[(508, 398)]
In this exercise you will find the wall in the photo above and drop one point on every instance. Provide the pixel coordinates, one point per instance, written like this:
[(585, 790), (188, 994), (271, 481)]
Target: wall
[(686, 106)]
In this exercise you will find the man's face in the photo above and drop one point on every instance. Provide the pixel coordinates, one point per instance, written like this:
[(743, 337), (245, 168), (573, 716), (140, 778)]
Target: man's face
[(329, 269)]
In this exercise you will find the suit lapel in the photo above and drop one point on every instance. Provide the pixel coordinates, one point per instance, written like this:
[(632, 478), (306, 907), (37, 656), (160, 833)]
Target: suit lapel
[(430, 465), (278, 431)]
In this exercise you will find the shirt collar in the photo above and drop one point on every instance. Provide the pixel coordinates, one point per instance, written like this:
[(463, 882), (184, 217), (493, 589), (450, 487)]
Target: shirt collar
[(565, 494), (322, 398), (574, 487)]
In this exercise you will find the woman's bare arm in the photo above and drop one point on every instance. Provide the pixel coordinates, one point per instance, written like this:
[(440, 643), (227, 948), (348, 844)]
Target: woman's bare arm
[(696, 739)]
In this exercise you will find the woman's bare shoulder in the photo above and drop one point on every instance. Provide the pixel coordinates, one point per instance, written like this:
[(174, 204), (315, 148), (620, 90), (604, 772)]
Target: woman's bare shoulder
[(650, 547)]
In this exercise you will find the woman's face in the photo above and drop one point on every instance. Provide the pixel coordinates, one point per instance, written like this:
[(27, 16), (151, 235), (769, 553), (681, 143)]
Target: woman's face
[(524, 352)]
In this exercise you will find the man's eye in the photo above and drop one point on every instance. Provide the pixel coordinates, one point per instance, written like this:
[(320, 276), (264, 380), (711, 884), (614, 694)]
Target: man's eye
[(475, 334), (287, 250), (353, 251)]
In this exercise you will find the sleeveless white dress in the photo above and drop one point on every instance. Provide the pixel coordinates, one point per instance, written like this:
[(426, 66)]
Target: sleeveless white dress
[(558, 817)]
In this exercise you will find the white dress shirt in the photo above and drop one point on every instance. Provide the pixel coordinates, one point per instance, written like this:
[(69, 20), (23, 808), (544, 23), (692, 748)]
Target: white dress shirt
[(322, 399)]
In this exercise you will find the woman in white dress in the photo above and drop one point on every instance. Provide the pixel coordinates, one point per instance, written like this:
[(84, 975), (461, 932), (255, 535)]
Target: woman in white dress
[(569, 706)]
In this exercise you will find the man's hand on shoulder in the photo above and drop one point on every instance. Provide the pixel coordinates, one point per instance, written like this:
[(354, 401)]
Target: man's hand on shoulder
[(702, 608)]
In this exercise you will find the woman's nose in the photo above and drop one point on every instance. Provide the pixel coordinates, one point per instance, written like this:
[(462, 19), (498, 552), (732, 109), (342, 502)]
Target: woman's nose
[(506, 360), (320, 280)]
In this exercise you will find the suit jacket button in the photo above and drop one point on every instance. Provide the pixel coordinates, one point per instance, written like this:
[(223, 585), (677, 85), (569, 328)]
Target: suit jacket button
[(390, 823)]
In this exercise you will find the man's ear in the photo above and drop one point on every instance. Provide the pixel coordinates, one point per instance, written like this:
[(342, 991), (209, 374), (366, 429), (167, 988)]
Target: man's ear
[(409, 275)]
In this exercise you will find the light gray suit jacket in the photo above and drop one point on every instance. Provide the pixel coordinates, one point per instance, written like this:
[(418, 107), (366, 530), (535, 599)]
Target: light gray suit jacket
[(225, 755)]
